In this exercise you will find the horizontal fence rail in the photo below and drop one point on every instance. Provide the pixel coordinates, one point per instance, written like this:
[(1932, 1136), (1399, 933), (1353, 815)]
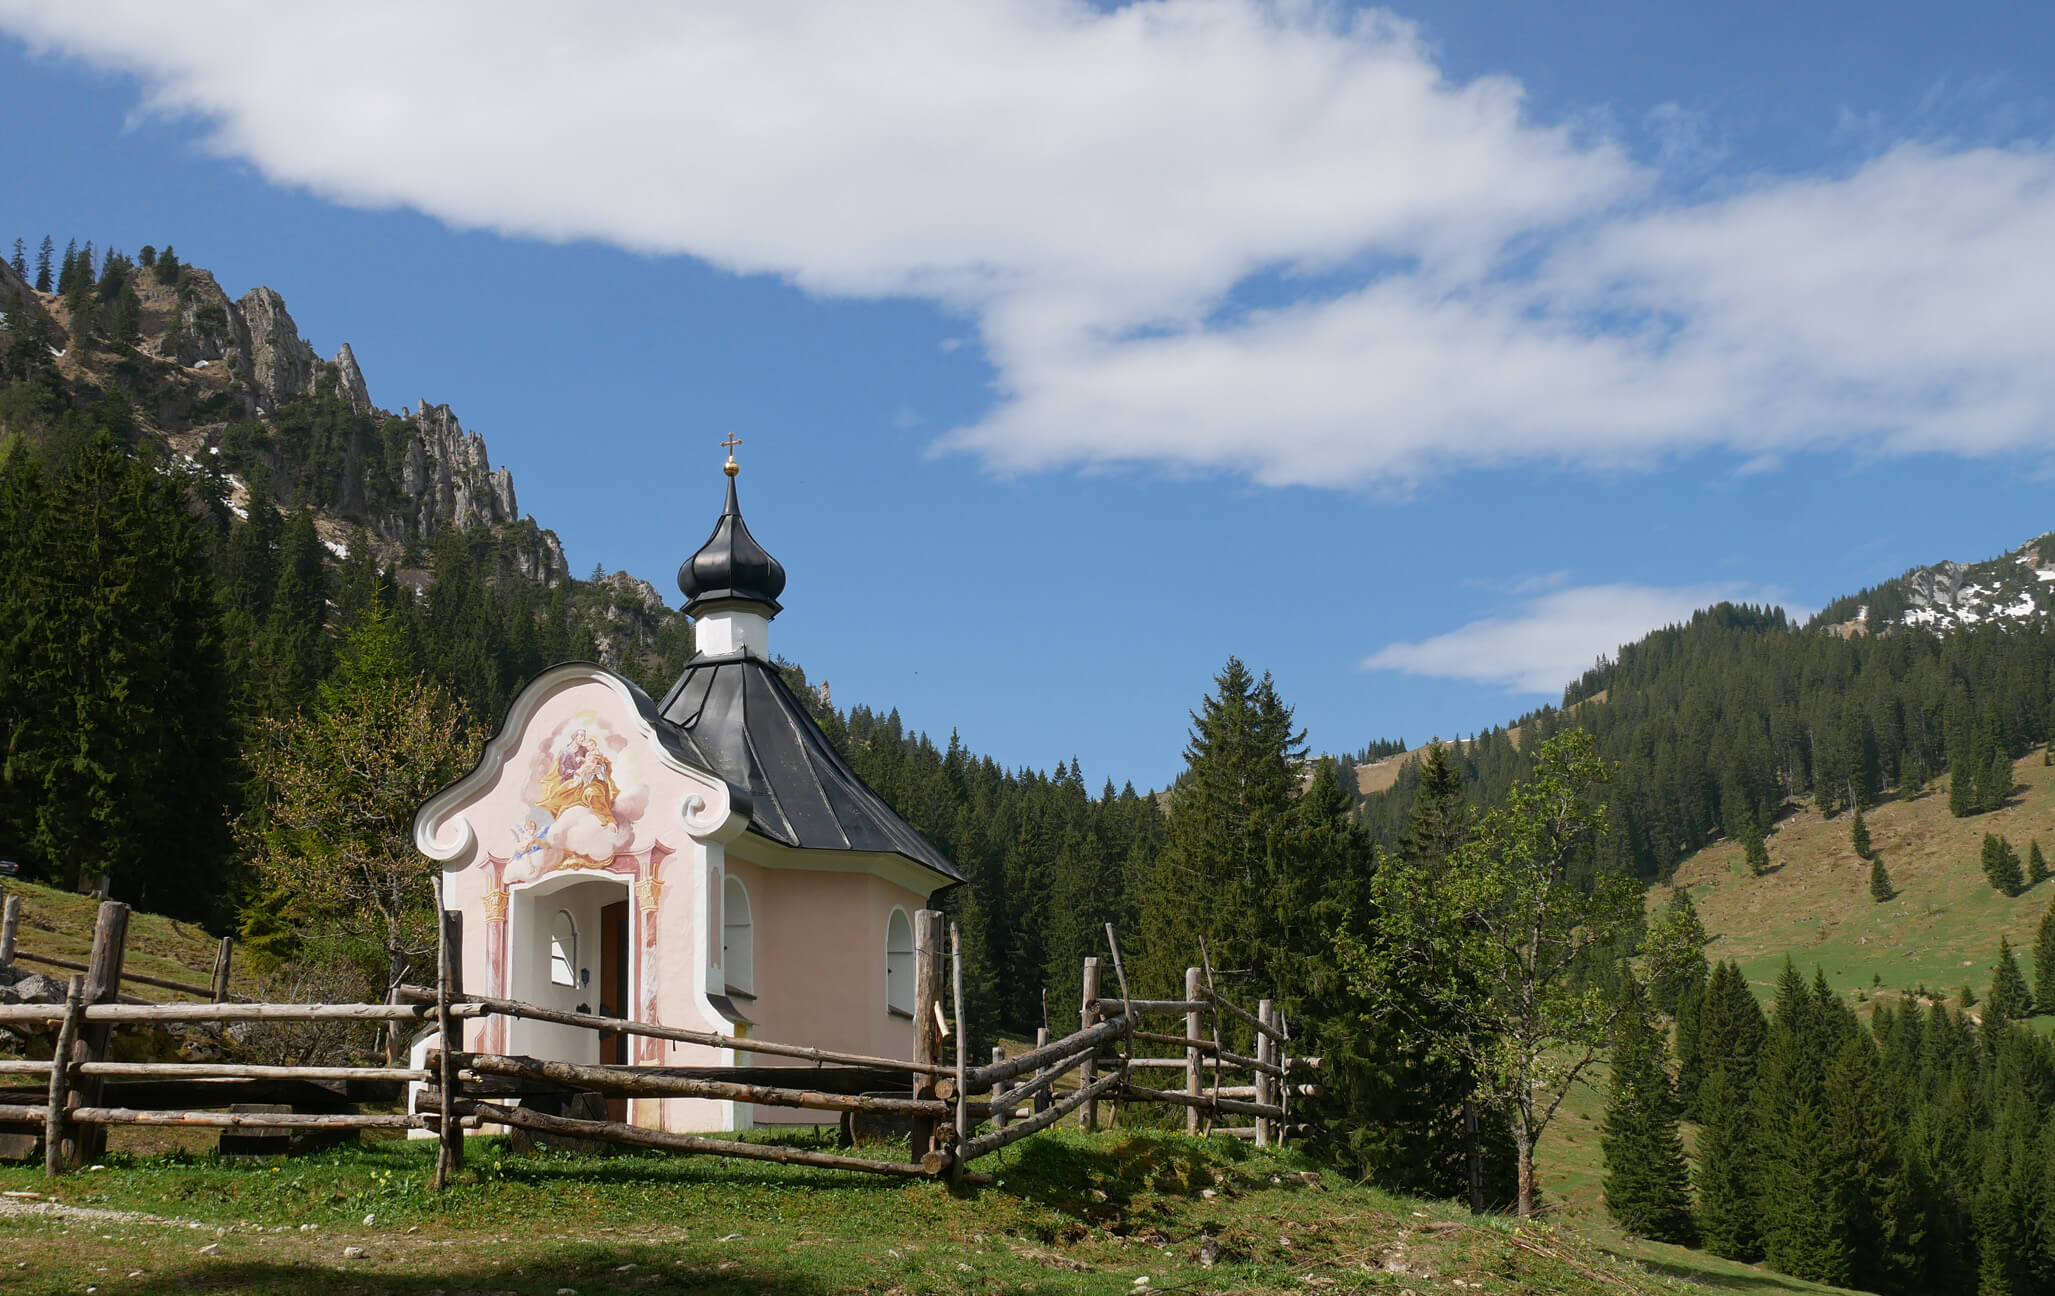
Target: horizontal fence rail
[(84, 1093)]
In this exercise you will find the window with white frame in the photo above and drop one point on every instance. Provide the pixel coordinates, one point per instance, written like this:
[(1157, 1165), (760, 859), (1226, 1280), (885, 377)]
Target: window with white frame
[(899, 963), (563, 950), (738, 938)]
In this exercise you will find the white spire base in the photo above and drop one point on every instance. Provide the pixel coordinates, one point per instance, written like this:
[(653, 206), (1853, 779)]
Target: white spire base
[(726, 631)]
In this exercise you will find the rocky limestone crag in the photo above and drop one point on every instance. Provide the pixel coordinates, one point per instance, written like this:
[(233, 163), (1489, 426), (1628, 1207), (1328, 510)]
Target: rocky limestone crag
[(632, 611), (279, 365), (252, 347), (349, 381), (449, 478), (1928, 587)]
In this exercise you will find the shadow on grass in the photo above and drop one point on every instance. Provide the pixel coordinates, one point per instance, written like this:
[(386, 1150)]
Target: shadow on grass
[(1746, 1280), (591, 1270), (1114, 1183)]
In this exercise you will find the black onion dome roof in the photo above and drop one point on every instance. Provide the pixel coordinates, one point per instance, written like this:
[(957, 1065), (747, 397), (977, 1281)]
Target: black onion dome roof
[(745, 725), (731, 565)]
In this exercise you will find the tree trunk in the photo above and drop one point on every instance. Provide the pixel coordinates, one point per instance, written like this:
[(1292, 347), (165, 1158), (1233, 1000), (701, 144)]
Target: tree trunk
[(1523, 1143), (395, 976)]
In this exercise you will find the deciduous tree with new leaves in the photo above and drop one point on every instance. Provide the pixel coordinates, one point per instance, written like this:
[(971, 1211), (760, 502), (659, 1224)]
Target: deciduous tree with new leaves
[(1500, 945), (335, 844)]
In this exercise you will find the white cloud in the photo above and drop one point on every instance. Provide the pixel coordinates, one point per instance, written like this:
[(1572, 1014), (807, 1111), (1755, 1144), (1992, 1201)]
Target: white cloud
[(1089, 189), (1549, 641)]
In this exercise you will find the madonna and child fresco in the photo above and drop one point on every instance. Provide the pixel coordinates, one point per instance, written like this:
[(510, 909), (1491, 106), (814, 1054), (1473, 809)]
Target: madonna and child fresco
[(584, 796)]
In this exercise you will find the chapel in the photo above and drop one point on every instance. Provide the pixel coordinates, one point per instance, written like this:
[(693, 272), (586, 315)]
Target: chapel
[(706, 861)]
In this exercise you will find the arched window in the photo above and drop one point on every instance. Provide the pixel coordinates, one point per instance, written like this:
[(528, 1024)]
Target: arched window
[(738, 938), (899, 963), (563, 950)]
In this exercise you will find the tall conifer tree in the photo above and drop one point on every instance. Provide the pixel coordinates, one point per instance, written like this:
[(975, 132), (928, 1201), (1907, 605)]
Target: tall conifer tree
[(2044, 961), (1647, 1184)]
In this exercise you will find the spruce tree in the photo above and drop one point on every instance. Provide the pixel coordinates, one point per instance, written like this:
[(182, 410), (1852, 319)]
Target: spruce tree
[(1858, 836), (2009, 1000), (2036, 863), (19, 262), (1726, 1172), (67, 269), (2044, 961), (1879, 880), (1647, 1185), (1994, 789), (1754, 850), (1226, 810), (1804, 1199), (1883, 1225), (1441, 819), (1674, 952), (44, 282), (1962, 792), (2001, 865)]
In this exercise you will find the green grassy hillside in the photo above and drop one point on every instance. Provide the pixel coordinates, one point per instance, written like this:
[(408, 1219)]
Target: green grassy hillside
[(1118, 1212), (1942, 928), (60, 923)]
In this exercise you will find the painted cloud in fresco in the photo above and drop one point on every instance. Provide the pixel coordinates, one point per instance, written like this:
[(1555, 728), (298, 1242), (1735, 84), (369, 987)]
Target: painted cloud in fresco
[(584, 796)]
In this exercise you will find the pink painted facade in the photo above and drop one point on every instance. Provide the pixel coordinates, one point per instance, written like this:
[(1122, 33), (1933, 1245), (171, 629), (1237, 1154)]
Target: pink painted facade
[(580, 804)]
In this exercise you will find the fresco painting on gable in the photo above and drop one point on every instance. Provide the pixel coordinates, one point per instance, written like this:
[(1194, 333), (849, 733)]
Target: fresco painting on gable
[(585, 794)]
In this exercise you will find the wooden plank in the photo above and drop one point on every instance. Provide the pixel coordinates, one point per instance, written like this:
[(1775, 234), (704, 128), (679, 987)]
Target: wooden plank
[(104, 1116), (486, 1006), (162, 983), (1155, 1006), (1035, 1059), (1141, 1094), (643, 1084), (109, 1013), (247, 1071), (637, 1136), (1038, 1084), (1247, 1017), (989, 1143)]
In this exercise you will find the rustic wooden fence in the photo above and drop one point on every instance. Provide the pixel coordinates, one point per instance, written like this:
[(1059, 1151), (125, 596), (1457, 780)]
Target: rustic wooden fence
[(958, 1113)]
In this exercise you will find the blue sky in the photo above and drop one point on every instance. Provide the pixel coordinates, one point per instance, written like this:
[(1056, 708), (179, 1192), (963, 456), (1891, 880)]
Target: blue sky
[(1416, 356)]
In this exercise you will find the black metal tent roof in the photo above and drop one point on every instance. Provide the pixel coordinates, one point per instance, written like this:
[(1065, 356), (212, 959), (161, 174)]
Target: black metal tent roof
[(746, 726)]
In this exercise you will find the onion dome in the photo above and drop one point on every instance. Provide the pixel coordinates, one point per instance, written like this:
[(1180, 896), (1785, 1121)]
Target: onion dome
[(731, 568)]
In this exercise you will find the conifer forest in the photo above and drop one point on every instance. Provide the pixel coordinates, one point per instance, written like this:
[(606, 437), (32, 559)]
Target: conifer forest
[(207, 611)]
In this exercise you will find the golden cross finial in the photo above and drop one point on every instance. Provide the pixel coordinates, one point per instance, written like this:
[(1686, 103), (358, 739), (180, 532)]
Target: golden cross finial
[(731, 467)]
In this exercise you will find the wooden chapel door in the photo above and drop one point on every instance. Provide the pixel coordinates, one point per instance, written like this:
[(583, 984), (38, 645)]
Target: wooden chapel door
[(613, 992)]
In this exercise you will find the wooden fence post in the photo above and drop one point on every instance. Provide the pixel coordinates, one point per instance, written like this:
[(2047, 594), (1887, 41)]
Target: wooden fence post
[(1088, 1017), (1266, 1053), (928, 982), (1042, 1099), (86, 1143), (1194, 1071), (222, 955), (60, 1086), (10, 924), (998, 1087), (449, 1155), (956, 1166)]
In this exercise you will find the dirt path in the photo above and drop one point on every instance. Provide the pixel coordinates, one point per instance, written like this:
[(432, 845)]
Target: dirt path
[(17, 1205)]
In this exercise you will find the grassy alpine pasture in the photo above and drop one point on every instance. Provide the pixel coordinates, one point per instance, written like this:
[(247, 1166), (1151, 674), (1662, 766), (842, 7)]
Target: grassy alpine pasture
[(1071, 1213), (1941, 929)]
